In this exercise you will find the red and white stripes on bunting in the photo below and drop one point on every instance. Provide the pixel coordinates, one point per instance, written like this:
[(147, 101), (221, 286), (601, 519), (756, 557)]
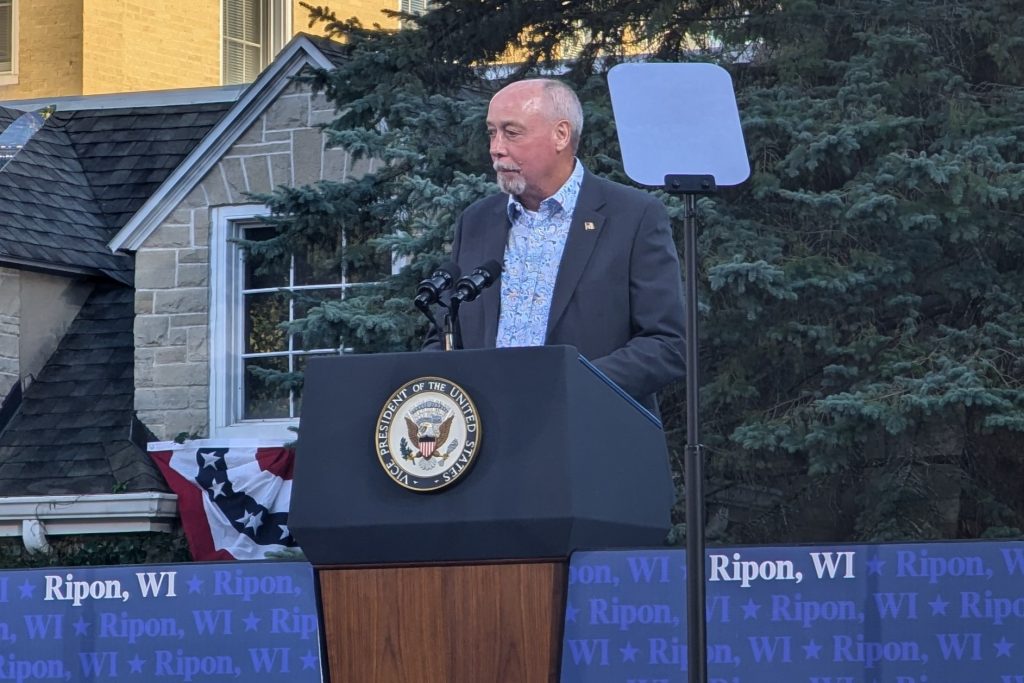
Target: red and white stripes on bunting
[(233, 496)]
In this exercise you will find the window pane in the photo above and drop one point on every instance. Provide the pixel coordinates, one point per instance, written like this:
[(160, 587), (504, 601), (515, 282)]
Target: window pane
[(242, 20), (263, 315), (6, 35), (368, 266), (262, 272), (286, 288), (251, 64), (414, 6), (234, 64), (300, 366), (316, 337), (319, 266), (263, 400), (243, 40)]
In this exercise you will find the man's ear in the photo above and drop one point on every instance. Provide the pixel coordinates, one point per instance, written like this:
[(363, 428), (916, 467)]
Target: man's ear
[(563, 135)]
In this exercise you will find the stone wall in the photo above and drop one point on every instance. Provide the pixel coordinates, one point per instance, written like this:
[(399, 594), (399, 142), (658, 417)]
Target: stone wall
[(35, 312), (172, 300), (10, 326)]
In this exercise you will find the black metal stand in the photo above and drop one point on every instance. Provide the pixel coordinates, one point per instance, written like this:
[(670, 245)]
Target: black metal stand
[(690, 186), (450, 333), (452, 328)]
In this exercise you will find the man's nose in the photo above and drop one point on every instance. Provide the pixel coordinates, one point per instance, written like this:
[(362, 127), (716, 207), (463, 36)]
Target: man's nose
[(497, 146)]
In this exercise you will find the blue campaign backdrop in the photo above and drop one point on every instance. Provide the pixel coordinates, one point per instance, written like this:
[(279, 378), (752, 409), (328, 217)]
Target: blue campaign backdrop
[(254, 621), (922, 613)]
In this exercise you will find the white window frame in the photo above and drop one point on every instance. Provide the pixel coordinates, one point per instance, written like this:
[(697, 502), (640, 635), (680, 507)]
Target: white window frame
[(274, 33), (227, 328), (11, 77)]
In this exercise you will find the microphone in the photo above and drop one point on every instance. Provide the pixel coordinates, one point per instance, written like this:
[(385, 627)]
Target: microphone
[(469, 287), (429, 290)]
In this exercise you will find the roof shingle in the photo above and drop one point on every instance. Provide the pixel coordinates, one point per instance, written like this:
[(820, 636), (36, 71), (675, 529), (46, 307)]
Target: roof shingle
[(79, 179), (75, 432)]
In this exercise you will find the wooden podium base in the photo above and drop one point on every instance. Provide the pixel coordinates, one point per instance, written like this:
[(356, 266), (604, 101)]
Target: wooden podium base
[(487, 623)]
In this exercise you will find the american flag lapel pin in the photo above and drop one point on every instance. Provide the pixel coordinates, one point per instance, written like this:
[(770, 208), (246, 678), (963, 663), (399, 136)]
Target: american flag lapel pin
[(588, 225)]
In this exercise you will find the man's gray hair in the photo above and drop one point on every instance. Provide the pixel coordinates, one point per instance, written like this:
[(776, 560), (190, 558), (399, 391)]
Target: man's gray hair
[(565, 105)]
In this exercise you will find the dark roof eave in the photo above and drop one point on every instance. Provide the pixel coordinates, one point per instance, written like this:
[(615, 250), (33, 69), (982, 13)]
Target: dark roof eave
[(6, 261)]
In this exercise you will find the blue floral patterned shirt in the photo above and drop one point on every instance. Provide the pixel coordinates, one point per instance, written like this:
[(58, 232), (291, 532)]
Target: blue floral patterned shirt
[(536, 240)]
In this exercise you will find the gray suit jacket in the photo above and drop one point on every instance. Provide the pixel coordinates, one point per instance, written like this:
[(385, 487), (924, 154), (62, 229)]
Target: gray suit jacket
[(618, 295)]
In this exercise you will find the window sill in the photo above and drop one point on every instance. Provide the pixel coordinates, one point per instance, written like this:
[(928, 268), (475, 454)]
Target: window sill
[(8, 79), (267, 431)]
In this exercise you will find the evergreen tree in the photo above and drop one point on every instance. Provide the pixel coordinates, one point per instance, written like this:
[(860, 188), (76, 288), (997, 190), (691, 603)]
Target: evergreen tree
[(865, 311), (861, 315)]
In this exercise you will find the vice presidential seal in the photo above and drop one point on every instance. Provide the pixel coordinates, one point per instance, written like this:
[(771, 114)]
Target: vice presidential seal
[(428, 434)]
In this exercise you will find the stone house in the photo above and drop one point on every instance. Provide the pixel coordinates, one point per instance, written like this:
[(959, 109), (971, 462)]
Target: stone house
[(193, 291), (124, 300)]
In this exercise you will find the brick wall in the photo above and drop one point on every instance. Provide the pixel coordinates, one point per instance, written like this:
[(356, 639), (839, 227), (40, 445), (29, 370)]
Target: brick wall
[(136, 45), (366, 11), (132, 45), (172, 301), (49, 50)]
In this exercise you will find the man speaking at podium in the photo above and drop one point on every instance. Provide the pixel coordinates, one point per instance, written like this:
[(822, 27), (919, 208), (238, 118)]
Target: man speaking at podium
[(585, 261)]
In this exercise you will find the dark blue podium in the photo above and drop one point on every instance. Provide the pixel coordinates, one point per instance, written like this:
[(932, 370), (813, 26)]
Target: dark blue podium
[(566, 462)]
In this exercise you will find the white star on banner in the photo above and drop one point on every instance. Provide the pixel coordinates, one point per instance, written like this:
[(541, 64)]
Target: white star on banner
[(255, 521), (210, 459)]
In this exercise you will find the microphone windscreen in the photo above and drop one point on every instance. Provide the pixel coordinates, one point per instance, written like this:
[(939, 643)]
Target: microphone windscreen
[(452, 268), (492, 268)]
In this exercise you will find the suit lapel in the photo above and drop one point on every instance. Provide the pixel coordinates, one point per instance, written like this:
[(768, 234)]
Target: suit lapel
[(584, 231), (493, 248)]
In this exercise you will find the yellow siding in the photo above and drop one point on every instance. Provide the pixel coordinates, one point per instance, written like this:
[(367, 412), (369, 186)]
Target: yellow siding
[(133, 45), (368, 12), (49, 50), (88, 47), (300, 18)]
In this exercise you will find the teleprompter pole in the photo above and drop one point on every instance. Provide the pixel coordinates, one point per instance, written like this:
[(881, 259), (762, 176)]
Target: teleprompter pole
[(678, 124), (690, 186)]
